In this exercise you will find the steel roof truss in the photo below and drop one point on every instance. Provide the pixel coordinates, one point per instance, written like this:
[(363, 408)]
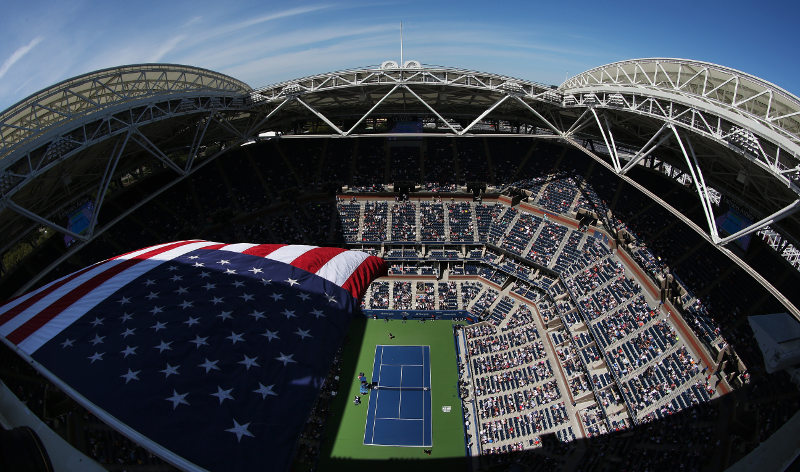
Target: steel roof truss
[(33, 216), (697, 178), (108, 176), (483, 115), (773, 218), (641, 154), (430, 108), (320, 116), (196, 143), (364, 117), (155, 151), (612, 150)]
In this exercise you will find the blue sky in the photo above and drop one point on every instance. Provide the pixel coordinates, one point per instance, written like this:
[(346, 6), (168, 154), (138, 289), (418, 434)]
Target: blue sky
[(264, 42)]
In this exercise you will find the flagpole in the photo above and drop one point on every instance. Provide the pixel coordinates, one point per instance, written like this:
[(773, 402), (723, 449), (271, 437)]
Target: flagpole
[(401, 44)]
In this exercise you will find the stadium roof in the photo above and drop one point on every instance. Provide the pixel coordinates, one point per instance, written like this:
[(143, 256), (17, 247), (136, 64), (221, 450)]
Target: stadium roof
[(728, 132)]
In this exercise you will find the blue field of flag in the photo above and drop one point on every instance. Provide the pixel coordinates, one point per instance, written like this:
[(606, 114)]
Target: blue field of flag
[(399, 412)]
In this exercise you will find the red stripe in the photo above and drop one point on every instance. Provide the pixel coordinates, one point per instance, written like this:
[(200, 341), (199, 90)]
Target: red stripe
[(263, 250), (7, 316), (314, 259), (215, 246), (44, 316), (369, 270)]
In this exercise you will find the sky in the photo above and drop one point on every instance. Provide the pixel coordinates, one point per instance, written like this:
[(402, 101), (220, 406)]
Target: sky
[(266, 42)]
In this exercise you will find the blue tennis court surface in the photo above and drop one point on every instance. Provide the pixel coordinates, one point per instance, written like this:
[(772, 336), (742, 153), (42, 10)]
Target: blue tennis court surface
[(399, 412)]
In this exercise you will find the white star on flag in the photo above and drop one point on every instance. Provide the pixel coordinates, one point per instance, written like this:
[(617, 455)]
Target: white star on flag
[(230, 272), (209, 286), (317, 313), (192, 321), (225, 315), (130, 376), (216, 300), (66, 343), (270, 335), (223, 262), (148, 282), (125, 317), (161, 347), (159, 325), (249, 362), (97, 321), (292, 282), (96, 357), (200, 341), (209, 365), (186, 305), (171, 268), (303, 334), (177, 398), (193, 257), (240, 430), (170, 370), (152, 295), (181, 290), (176, 278), (237, 283), (330, 298), (255, 270), (285, 359), (304, 296), (128, 332), (288, 313), (124, 300), (129, 350), (257, 314), (276, 296), (246, 297), (97, 340), (205, 274), (199, 264), (157, 309), (222, 395), (266, 281), (235, 337), (264, 391)]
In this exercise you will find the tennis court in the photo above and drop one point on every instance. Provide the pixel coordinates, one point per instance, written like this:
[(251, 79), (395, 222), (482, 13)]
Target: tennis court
[(399, 411)]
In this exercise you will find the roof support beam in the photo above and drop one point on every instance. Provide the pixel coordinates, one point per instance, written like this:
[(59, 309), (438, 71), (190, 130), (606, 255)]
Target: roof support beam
[(111, 167), (612, 150), (640, 155), (700, 185), (773, 218), (538, 115), (572, 129), (33, 216), (371, 110), (320, 116), (261, 123), (196, 144), (430, 108), (483, 115), (156, 152)]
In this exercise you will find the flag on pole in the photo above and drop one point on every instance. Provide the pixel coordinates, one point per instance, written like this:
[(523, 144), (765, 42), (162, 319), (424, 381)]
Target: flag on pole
[(209, 355)]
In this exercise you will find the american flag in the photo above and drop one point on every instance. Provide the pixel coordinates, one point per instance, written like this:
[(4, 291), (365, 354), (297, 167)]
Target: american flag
[(210, 355)]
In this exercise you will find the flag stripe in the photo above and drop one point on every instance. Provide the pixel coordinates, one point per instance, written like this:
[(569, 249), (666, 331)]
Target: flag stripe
[(287, 254), (316, 258), (239, 247), (342, 266), (371, 268), (263, 250), (36, 322)]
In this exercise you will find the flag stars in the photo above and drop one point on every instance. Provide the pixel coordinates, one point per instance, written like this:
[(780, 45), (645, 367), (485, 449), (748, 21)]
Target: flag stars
[(200, 341), (130, 376), (303, 334), (255, 270), (97, 340), (129, 350), (209, 365), (205, 274), (157, 309), (289, 313), (235, 337), (125, 317), (171, 268), (304, 296), (177, 398), (257, 314), (209, 286), (286, 359), (264, 391), (225, 315), (246, 297), (230, 272), (270, 335), (128, 332), (330, 298), (96, 357), (163, 346), (152, 295), (276, 296), (124, 300), (148, 282), (240, 430), (237, 283), (193, 257), (292, 282), (266, 281), (223, 394), (216, 300), (66, 343), (186, 305), (317, 313), (249, 362), (159, 325), (224, 262), (176, 278), (192, 321), (181, 290), (97, 321), (199, 264), (170, 370)]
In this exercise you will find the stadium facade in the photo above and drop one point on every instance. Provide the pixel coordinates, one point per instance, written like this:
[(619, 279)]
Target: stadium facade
[(729, 139)]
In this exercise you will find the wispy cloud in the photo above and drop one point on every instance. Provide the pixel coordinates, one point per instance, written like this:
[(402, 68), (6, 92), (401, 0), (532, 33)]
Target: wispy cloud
[(166, 47), (19, 54)]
